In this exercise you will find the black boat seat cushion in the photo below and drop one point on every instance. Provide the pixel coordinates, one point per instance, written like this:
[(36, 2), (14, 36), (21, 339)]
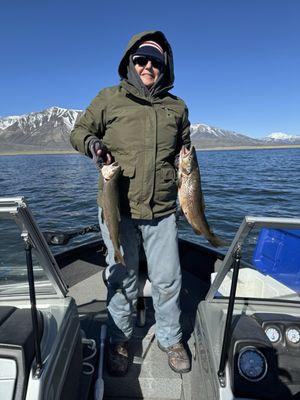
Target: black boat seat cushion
[(5, 312), (17, 341)]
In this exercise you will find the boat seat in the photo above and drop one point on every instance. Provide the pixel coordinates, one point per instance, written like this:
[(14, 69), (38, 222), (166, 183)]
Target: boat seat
[(5, 312), (16, 345)]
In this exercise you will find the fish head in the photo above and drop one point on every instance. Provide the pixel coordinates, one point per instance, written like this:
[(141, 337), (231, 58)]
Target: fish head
[(111, 170), (187, 160)]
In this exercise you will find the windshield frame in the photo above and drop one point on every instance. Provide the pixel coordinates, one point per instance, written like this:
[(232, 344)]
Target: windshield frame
[(17, 209), (249, 223)]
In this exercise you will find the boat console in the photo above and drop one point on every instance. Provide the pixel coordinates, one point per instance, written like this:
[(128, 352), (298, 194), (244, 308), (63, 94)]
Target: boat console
[(253, 361), (247, 334)]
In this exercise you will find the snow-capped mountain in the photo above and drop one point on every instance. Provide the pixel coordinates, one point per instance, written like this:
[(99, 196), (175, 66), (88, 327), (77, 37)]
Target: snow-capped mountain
[(204, 136), (35, 120), (281, 137), (50, 129)]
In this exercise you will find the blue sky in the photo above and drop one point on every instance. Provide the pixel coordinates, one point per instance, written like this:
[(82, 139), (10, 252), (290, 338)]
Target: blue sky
[(237, 62)]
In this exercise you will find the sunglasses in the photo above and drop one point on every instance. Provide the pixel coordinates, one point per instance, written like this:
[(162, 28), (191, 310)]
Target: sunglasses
[(142, 61)]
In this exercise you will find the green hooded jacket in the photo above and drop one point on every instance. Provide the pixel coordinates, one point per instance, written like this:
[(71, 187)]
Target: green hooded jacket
[(143, 133)]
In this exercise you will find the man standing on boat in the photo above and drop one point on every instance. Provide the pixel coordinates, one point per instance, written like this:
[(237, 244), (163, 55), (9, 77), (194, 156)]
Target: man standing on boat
[(143, 127)]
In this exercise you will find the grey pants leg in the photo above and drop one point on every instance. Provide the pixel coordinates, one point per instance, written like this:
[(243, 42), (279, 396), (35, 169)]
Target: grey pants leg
[(161, 249)]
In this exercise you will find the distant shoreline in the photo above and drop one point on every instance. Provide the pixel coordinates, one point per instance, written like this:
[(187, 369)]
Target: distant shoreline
[(297, 146), (51, 152), (36, 152)]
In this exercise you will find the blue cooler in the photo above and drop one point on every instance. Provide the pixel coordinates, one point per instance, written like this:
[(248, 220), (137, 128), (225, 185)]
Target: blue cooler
[(277, 254)]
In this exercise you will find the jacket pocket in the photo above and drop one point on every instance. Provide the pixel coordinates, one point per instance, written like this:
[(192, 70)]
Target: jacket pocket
[(168, 175), (171, 116), (129, 171), (127, 183), (167, 187)]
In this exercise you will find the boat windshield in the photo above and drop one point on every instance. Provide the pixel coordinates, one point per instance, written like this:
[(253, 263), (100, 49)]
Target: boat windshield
[(17, 227), (270, 261)]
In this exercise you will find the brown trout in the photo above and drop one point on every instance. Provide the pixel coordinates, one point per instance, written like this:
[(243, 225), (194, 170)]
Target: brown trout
[(190, 195), (110, 206)]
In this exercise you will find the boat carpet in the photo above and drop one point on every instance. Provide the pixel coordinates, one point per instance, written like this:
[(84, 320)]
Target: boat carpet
[(149, 376)]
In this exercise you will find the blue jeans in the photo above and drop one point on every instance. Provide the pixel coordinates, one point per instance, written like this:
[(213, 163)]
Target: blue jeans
[(159, 237)]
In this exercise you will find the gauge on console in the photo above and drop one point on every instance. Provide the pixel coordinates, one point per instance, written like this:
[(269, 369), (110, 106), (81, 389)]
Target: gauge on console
[(293, 335), (252, 364), (273, 334)]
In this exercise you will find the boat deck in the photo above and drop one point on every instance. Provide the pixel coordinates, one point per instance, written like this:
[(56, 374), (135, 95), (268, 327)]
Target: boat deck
[(149, 376)]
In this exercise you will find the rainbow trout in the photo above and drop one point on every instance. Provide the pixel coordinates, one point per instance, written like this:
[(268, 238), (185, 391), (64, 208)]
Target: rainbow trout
[(190, 195), (110, 206)]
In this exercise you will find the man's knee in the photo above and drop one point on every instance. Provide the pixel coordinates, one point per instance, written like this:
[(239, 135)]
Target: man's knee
[(168, 290)]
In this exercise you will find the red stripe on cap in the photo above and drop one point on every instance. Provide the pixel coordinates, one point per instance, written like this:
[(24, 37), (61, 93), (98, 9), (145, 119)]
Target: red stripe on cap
[(152, 44)]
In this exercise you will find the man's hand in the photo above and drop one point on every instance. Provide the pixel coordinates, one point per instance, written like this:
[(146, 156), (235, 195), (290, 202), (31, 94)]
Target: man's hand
[(99, 153)]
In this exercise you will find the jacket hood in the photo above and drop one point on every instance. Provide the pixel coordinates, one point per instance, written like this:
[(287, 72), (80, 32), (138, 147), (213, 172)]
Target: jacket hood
[(134, 43)]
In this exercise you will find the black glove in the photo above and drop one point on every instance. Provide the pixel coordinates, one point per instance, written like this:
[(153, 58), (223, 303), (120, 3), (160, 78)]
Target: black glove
[(99, 152)]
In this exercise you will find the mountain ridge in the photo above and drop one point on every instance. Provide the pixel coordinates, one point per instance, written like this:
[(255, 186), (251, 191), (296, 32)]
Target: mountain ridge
[(49, 130)]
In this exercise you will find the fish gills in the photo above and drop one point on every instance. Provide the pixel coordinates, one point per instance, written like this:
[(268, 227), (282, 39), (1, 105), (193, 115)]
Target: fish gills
[(191, 197), (110, 205)]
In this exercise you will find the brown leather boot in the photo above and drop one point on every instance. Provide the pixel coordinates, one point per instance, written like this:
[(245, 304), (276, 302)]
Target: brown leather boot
[(177, 357), (117, 359)]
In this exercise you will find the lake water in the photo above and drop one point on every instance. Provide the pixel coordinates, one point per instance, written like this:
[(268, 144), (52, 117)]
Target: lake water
[(62, 189)]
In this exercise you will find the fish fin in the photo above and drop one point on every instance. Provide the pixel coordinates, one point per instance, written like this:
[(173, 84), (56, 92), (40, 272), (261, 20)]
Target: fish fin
[(197, 231), (119, 215), (203, 202), (212, 239), (217, 242), (119, 258), (179, 180)]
